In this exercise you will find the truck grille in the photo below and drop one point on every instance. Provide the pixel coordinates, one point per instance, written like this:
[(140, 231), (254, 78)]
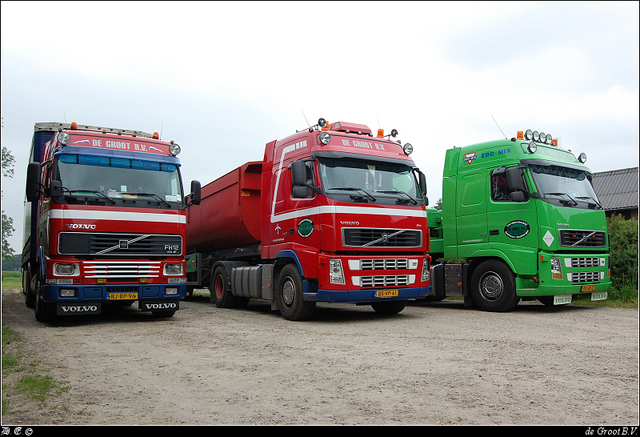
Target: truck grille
[(361, 237), (586, 262), (384, 264), (384, 281), (121, 269), (574, 238), (120, 245), (585, 277)]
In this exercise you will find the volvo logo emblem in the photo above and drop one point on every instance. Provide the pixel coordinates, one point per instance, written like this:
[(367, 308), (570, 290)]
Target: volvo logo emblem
[(123, 244)]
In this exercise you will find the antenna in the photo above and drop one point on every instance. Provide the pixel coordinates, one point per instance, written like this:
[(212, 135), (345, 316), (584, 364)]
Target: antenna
[(161, 126), (494, 120), (65, 116), (305, 118)]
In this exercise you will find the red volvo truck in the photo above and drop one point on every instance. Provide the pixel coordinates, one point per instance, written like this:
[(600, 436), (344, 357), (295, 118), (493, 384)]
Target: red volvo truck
[(104, 221), (331, 214)]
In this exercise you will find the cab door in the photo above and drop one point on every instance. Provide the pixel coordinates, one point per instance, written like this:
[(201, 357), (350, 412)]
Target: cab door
[(512, 225)]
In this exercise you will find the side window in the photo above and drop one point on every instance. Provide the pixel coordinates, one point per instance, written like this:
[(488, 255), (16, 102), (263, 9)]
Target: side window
[(499, 187)]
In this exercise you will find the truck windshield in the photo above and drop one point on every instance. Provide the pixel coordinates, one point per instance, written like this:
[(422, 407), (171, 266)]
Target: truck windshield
[(369, 181), (119, 180), (564, 186)]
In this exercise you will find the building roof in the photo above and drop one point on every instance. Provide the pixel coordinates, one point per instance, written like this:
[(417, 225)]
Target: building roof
[(617, 189)]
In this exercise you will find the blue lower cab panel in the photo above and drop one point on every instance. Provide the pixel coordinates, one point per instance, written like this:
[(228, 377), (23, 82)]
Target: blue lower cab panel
[(111, 293)]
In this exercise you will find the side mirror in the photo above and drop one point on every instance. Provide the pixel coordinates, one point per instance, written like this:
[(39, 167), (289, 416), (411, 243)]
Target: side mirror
[(33, 181), (196, 193), (55, 190), (298, 173), (517, 185), (515, 179), (300, 192)]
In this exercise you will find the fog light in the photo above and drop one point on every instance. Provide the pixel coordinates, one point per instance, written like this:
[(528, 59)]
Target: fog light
[(67, 292), (407, 149), (325, 138), (171, 291)]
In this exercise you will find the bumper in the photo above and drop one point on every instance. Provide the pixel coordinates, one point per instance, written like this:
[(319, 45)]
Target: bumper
[(314, 294), (112, 293)]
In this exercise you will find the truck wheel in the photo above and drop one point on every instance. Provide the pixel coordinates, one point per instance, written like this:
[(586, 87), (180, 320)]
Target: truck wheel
[(45, 312), (392, 307), (493, 287), (219, 290), (29, 296), (289, 295)]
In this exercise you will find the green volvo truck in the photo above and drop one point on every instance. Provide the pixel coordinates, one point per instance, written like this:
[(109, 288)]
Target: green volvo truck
[(520, 220)]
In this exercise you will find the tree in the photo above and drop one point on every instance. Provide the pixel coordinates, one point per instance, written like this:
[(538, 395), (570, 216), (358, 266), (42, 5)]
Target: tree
[(8, 162)]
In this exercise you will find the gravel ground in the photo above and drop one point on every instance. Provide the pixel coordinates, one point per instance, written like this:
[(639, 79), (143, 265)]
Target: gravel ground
[(434, 363)]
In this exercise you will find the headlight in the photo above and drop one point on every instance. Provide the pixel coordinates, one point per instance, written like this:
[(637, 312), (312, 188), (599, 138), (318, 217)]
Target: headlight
[(172, 269), (335, 271), (556, 269), (66, 269)]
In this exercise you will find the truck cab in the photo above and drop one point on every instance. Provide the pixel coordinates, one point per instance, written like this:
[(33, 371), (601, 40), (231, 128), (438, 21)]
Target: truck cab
[(524, 215)]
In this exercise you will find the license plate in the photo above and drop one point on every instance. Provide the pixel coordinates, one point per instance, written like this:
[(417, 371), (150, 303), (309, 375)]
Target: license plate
[(585, 288), (562, 300), (599, 296), (122, 296), (386, 293)]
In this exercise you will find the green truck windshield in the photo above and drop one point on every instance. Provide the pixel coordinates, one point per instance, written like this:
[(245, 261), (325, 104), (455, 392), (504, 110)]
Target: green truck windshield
[(564, 186)]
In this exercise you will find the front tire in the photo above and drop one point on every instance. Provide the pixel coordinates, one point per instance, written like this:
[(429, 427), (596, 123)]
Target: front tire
[(493, 287), (289, 295), (389, 308), (45, 312)]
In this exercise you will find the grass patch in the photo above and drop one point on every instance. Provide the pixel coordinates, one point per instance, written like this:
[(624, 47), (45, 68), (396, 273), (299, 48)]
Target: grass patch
[(34, 383), (11, 280)]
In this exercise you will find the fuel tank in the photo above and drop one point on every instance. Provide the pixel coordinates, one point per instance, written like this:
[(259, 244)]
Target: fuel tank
[(229, 212)]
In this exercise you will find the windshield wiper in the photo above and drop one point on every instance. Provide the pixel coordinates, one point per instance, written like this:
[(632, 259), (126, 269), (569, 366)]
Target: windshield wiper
[(155, 196), (595, 201), (563, 194), (356, 190), (98, 193), (415, 202)]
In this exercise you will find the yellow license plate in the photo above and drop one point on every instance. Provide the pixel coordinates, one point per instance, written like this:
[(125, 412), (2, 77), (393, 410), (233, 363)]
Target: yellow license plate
[(591, 287), (386, 293), (122, 296)]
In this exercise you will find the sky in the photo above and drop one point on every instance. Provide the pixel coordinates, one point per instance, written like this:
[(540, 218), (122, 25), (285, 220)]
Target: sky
[(222, 79)]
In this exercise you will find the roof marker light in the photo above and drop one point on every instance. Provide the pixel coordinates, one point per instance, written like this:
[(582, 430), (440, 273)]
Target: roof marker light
[(520, 135), (155, 136), (73, 125), (554, 142), (380, 133)]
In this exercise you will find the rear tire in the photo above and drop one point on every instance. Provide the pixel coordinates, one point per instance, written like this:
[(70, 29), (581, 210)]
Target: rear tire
[(220, 292), (289, 295), (493, 287)]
